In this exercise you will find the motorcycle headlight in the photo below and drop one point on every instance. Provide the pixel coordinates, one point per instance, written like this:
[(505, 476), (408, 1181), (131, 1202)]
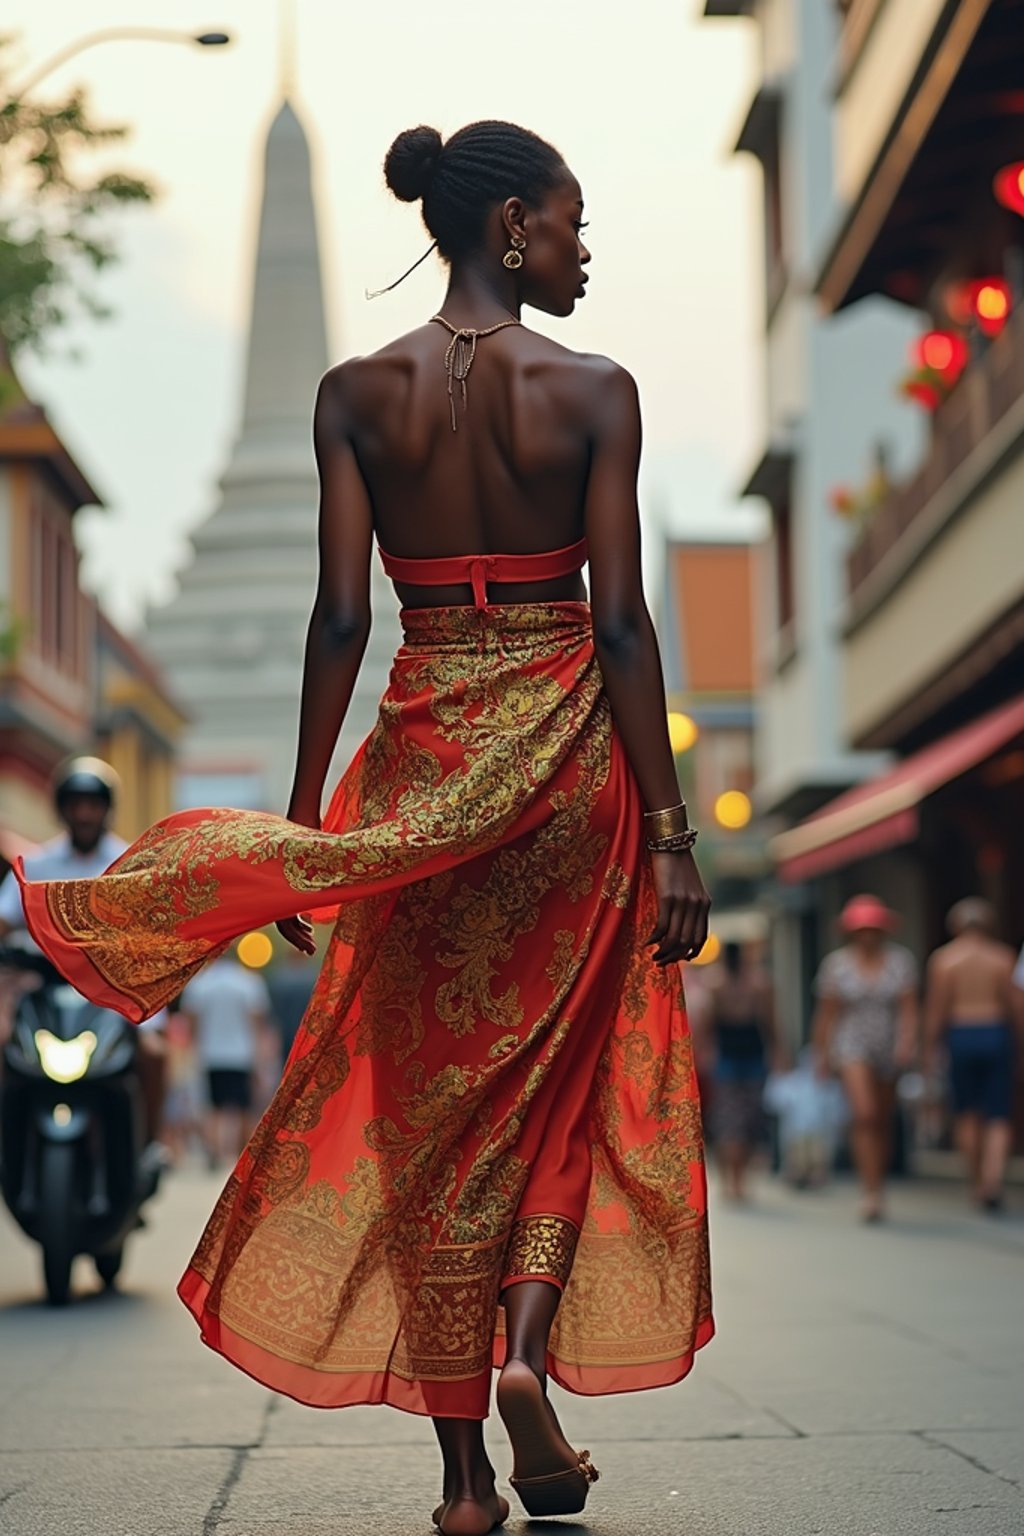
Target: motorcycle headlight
[(64, 1061)]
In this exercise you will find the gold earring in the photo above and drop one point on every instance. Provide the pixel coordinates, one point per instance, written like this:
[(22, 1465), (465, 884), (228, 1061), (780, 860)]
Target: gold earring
[(513, 259)]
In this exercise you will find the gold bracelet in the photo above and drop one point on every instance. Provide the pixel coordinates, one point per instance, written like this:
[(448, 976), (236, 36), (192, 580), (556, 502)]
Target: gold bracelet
[(677, 842), (667, 823)]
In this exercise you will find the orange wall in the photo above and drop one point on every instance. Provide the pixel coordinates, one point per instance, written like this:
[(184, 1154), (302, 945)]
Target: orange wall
[(712, 585)]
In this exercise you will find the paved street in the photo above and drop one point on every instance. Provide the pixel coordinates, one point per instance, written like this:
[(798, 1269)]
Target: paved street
[(864, 1383)]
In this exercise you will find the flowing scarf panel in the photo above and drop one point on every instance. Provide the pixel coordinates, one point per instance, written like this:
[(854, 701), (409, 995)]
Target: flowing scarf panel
[(485, 983)]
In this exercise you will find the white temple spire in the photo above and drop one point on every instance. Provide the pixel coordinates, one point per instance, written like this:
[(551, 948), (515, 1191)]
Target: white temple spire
[(231, 642), (286, 28)]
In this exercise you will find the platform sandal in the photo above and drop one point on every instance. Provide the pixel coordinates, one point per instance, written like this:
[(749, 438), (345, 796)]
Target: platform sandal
[(538, 1445)]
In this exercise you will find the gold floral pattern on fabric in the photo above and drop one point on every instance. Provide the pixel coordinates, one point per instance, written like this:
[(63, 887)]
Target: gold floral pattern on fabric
[(543, 1246), (617, 885), (485, 978)]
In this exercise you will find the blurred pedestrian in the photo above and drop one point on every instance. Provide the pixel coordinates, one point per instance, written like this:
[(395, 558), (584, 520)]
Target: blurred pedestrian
[(183, 1103), (227, 1006), (290, 985), (811, 1112), (743, 1034), (865, 1026), (970, 1002)]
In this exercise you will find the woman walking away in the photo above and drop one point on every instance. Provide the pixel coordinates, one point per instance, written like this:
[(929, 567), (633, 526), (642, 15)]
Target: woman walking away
[(971, 1002), (744, 1035), (866, 1026), (486, 1145)]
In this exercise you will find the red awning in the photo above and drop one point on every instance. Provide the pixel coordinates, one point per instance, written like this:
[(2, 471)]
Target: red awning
[(884, 812)]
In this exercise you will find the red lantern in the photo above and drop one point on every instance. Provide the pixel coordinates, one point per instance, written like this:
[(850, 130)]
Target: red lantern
[(1009, 187), (924, 393), (990, 304), (842, 500), (942, 352)]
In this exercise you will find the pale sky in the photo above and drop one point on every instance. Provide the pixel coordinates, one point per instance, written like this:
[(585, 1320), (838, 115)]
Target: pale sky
[(643, 100)]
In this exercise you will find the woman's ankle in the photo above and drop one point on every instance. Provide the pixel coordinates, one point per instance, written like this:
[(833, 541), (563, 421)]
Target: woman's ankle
[(476, 1484), (533, 1361)]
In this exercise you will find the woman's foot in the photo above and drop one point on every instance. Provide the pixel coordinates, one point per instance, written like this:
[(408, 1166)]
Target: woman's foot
[(470, 1513), (548, 1475), (872, 1209)]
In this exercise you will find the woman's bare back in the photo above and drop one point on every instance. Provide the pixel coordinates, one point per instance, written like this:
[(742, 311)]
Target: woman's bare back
[(511, 479)]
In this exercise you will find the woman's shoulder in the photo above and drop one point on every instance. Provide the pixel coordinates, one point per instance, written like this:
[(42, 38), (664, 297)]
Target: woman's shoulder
[(595, 367), (834, 968)]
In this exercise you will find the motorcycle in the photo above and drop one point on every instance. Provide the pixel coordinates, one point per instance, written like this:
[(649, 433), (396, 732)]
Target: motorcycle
[(74, 1166)]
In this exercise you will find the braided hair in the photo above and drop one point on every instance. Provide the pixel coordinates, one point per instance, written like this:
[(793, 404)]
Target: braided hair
[(460, 182)]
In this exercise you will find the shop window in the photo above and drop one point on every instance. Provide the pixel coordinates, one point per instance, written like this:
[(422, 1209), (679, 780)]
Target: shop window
[(54, 618)]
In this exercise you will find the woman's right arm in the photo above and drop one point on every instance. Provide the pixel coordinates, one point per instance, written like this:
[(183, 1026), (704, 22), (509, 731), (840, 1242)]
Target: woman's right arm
[(826, 1016), (627, 648), (339, 625)]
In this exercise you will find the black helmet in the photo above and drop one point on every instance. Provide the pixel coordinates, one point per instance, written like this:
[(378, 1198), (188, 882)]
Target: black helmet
[(86, 776)]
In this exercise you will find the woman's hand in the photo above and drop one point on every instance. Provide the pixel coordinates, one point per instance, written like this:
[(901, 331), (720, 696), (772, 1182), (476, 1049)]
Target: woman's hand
[(905, 1053), (683, 908), (299, 934), (303, 815), (296, 930)]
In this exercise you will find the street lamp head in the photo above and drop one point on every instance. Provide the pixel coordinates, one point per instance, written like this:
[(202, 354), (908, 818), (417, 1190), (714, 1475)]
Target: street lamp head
[(213, 39)]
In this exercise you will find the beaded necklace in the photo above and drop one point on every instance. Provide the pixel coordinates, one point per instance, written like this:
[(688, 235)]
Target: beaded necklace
[(459, 355)]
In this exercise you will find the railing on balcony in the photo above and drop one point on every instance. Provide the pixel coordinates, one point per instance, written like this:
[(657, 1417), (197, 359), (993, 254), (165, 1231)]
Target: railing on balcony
[(986, 394), (858, 17)]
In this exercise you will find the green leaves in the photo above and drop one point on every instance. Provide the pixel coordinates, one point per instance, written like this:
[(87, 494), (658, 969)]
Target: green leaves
[(52, 214)]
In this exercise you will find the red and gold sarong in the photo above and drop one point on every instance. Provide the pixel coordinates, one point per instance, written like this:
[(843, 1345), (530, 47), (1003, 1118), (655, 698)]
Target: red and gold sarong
[(493, 1081)]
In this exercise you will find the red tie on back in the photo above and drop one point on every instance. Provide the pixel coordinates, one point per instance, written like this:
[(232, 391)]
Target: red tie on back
[(479, 570)]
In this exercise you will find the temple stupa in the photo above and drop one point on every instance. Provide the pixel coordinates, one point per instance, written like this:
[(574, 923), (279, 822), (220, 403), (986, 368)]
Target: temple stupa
[(231, 641)]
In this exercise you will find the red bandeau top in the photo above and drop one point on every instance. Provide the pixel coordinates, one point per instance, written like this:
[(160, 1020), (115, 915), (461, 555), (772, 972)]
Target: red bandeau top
[(478, 570)]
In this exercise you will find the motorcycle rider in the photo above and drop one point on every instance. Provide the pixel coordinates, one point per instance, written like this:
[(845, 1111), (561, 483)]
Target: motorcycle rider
[(84, 795)]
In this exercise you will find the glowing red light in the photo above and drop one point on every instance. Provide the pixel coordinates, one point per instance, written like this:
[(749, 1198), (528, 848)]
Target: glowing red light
[(990, 303), (942, 352), (1009, 187), (937, 352), (924, 393)]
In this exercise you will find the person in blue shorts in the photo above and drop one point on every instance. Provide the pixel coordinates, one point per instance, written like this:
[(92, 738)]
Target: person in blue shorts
[(971, 1003)]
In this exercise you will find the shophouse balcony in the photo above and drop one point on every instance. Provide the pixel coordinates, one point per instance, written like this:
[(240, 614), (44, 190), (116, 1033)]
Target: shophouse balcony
[(973, 430), (858, 17), (935, 581)]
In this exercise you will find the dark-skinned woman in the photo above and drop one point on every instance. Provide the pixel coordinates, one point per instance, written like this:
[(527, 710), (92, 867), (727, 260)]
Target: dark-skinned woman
[(485, 1150)]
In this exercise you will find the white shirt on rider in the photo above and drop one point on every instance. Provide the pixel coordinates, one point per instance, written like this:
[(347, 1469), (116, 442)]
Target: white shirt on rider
[(59, 859)]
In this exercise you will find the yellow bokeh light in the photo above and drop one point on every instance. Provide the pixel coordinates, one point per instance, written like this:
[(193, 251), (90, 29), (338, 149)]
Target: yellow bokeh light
[(682, 731), (992, 303), (711, 951), (255, 950), (733, 809)]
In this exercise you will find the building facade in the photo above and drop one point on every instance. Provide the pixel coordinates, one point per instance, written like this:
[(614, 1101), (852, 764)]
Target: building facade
[(48, 624), (927, 126), (232, 639), (707, 637), (826, 425), (70, 682)]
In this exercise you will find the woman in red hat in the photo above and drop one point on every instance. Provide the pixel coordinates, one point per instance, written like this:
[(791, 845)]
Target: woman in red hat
[(866, 1027)]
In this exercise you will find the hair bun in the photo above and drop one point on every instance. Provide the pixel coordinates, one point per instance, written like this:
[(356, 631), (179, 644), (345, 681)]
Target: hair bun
[(411, 162)]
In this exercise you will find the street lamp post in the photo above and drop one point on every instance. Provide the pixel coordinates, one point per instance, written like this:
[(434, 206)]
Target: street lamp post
[(117, 35)]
